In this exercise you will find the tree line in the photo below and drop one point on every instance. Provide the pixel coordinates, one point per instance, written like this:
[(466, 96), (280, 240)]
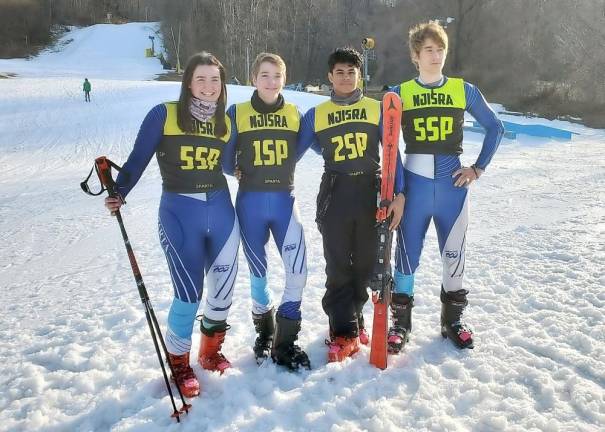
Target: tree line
[(531, 55)]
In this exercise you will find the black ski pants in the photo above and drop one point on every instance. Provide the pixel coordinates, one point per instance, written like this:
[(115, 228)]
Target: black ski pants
[(349, 242)]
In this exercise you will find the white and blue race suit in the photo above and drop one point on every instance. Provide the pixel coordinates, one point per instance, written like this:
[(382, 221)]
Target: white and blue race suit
[(433, 117), (197, 225)]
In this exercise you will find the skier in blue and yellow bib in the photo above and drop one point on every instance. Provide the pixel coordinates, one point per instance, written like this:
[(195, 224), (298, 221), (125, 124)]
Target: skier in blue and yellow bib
[(197, 226), (436, 183), (266, 155), (346, 130)]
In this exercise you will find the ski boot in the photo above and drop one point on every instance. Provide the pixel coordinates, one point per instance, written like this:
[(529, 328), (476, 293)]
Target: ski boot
[(183, 375), (401, 312), (264, 324), (452, 307), (209, 355), (364, 336), (339, 348), (285, 352)]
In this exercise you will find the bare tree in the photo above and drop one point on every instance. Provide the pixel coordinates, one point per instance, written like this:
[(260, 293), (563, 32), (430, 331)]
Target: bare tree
[(538, 55)]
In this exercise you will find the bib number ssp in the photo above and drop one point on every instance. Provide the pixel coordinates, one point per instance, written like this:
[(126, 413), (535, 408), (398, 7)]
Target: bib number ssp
[(433, 128), (200, 158)]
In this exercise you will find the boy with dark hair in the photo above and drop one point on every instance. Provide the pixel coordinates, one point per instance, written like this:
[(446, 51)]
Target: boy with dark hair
[(346, 131)]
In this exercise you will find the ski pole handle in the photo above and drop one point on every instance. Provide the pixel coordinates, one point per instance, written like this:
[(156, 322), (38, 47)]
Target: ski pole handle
[(103, 167)]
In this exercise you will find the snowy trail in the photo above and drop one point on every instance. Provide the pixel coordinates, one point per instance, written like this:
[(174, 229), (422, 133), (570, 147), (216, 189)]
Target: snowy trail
[(76, 349), (99, 51)]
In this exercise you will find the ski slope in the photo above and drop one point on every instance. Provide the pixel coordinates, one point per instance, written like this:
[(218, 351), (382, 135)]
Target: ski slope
[(76, 353), (99, 51)]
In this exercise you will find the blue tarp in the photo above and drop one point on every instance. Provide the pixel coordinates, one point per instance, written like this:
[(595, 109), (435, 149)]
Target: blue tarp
[(479, 129), (512, 129)]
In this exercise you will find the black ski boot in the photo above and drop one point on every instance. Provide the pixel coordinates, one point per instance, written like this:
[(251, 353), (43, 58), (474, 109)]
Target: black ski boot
[(452, 327), (264, 324), (401, 312), (285, 352)]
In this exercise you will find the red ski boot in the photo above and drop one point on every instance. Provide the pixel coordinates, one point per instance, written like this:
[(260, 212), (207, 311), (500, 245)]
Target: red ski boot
[(183, 375), (339, 348), (210, 356), (364, 336)]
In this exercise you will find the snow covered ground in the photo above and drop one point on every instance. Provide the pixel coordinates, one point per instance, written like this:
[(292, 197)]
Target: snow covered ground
[(76, 353), (100, 51)]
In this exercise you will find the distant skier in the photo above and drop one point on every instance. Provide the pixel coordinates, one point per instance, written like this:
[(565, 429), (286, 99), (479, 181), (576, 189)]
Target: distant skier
[(267, 152), (87, 87), (436, 184), (346, 130), (197, 225)]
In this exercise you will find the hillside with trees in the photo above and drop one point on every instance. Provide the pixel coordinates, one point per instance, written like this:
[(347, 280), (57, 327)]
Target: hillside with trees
[(536, 56)]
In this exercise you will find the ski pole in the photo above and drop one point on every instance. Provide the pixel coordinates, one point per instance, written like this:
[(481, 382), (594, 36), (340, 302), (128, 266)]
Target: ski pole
[(103, 167)]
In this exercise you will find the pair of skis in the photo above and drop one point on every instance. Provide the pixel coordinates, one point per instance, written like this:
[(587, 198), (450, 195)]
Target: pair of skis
[(381, 283)]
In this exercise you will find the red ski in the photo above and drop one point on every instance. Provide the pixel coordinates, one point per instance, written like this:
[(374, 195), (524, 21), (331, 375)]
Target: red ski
[(382, 281)]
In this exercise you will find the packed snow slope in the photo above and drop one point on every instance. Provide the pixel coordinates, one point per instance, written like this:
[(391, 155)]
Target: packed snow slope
[(99, 51), (76, 353)]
